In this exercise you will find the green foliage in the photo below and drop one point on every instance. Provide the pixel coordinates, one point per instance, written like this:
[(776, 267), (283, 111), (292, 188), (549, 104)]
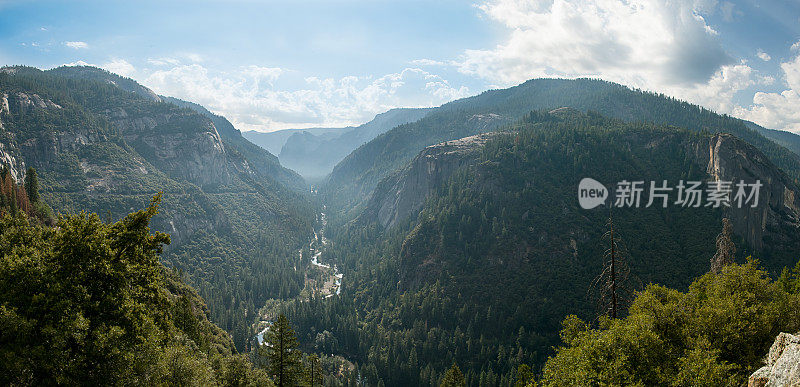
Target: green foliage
[(453, 378), (32, 185), (87, 303), (314, 375), (714, 334), (524, 376), (354, 178), (280, 348), (501, 252)]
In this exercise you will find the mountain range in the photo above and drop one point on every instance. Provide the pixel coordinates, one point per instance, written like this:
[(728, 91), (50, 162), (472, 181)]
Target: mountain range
[(454, 232), (313, 153)]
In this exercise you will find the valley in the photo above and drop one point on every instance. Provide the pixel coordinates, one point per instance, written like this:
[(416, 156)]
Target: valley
[(429, 237)]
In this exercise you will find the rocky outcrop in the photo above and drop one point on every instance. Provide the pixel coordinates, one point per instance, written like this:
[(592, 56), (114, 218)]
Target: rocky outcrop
[(195, 152), (783, 364), (403, 194), (15, 164), (25, 102), (727, 158)]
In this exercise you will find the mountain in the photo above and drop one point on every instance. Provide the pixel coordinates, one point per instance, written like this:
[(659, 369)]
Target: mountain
[(314, 156), (354, 178), (236, 217), (274, 141), (475, 251), (262, 160), (789, 140), (313, 152)]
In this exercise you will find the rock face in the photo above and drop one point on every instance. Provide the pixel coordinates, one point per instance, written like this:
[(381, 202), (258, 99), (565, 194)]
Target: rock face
[(783, 364), (403, 194), (195, 153), (727, 158), (116, 143), (769, 229)]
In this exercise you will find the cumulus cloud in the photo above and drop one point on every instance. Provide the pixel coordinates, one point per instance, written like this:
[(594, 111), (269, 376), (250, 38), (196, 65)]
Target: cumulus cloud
[(115, 65), (659, 45), (76, 45), (120, 67), (250, 100), (778, 110), (637, 42)]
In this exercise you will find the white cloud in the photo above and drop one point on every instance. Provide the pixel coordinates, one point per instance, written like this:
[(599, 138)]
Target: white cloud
[(192, 57), (119, 67), (163, 61), (431, 62), (250, 100), (641, 43), (115, 65), (78, 63), (660, 45), (76, 45), (778, 110), (728, 11)]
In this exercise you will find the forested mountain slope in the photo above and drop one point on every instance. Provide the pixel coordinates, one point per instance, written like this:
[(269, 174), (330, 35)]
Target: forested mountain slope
[(499, 251), (235, 216), (353, 179), (787, 139)]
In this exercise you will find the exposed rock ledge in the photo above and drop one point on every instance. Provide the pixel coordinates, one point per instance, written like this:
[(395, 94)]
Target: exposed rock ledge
[(783, 364)]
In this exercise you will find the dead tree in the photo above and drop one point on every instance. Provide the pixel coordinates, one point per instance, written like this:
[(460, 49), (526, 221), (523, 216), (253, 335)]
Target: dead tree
[(726, 249), (612, 289)]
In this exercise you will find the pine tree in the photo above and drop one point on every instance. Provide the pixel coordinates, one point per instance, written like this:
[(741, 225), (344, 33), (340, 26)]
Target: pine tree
[(314, 375), (453, 378), (32, 185), (726, 249), (280, 349), (524, 375)]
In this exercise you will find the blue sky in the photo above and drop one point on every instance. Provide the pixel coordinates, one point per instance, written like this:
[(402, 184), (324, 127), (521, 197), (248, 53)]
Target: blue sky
[(269, 65)]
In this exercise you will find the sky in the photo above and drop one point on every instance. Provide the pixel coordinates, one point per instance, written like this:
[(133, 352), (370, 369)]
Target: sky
[(269, 65)]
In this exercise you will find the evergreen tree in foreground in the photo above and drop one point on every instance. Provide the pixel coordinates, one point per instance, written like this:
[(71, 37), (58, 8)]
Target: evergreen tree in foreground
[(314, 374), (283, 356)]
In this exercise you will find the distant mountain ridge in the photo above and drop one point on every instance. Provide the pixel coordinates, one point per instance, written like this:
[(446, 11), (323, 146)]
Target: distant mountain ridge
[(274, 141), (313, 152), (354, 178)]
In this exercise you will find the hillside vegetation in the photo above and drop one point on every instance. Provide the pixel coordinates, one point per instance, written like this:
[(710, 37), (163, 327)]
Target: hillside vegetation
[(501, 252), (105, 144), (353, 179)]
